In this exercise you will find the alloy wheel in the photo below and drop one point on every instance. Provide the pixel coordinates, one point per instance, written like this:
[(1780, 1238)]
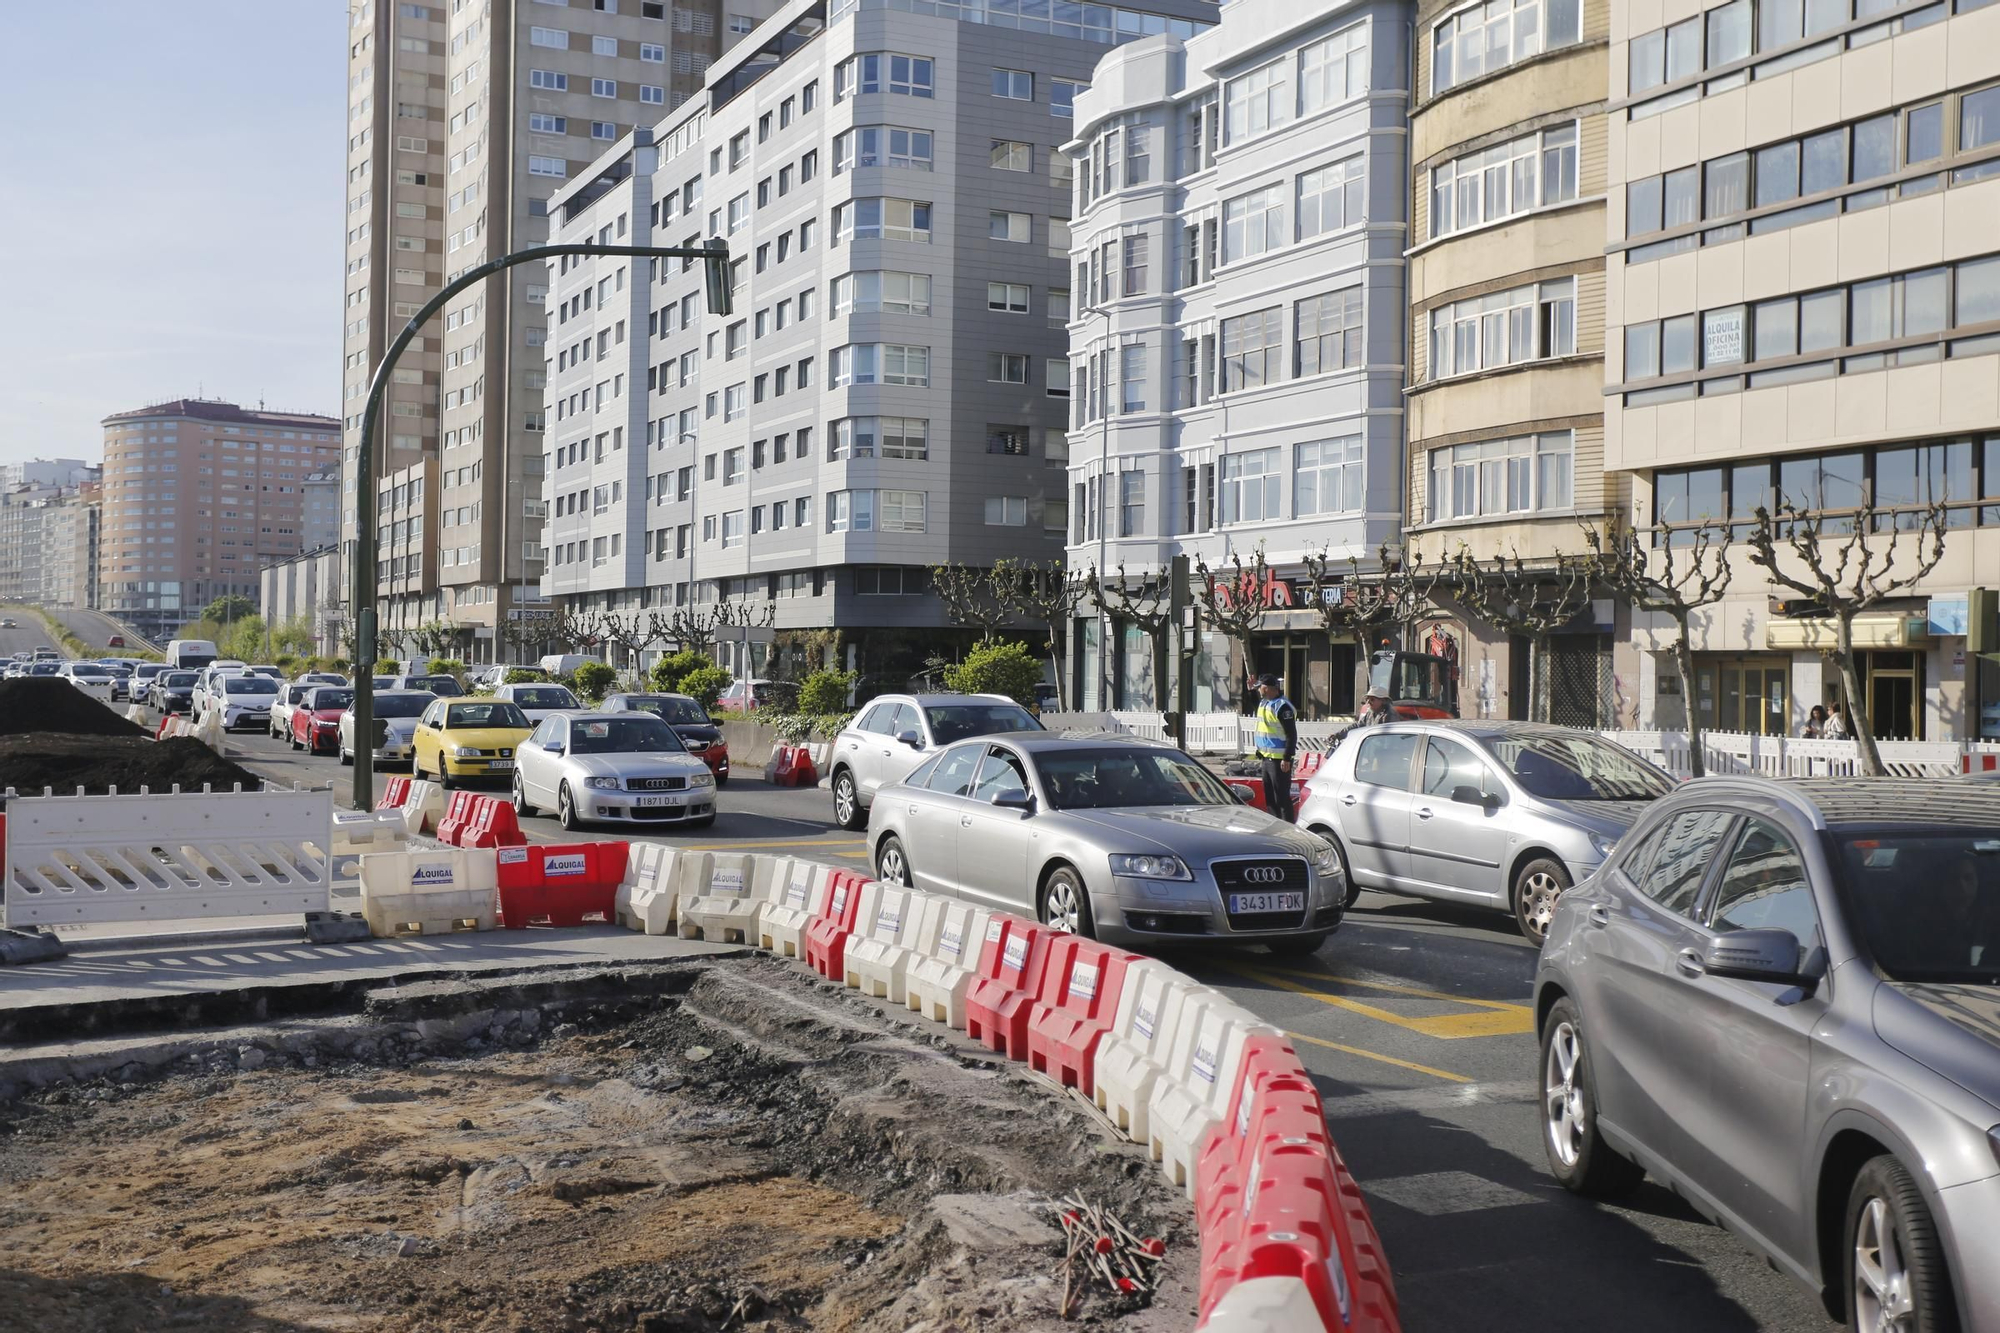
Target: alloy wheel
[(843, 799), (1565, 1115), (892, 865), (1062, 911), (1539, 893), (1884, 1300)]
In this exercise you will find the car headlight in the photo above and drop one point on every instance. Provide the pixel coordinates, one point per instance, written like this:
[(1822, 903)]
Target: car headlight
[(602, 784), (464, 752), (702, 779), (1326, 861), (1602, 845), (1145, 866)]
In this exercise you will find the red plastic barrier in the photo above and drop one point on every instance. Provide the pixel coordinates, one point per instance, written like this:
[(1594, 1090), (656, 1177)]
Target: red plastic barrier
[(1306, 764), (395, 791), (166, 720), (492, 824), (804, 774), (560, 885), (1011, 961), (826, 937), (1073, 1009), (457, 821)]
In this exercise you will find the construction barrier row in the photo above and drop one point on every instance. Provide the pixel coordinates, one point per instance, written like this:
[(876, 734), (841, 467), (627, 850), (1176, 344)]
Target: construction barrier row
[(1218, 1097), (791, 766)]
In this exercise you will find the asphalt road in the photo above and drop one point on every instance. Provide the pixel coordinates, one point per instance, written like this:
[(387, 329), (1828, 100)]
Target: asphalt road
[(27, 635), (1414, 1022), (94, 629)]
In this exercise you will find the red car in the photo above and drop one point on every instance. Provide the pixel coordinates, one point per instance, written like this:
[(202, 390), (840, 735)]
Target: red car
[(316, 721)]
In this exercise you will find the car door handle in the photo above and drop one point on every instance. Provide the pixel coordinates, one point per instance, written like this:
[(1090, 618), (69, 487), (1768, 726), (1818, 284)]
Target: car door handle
[(1600, 916), (1347, 800), (1424, 812), (1689, 962), (965, 821)]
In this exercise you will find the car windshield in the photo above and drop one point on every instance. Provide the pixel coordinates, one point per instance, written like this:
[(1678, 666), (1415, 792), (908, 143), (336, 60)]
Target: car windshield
[(45, 669), (545, 696), (679, 712), (179, 680), (402, 705), (332, 699), (490, 713), (249, 685), (1926, 904), (443, 686), (384, 682), (1126, 776), (954, 722), (1579, 768), (90, 669), (627, 733)]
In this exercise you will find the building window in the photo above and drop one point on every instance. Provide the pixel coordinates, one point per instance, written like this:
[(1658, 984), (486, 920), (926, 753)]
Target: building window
[(542, 124), (881, 363), (1485, 37), (1012, 440), (1253, 346), (1504, 328), (884, 219), (1253, 223), (1333, 70), (603, 129), (1131, 504), (548, 80), (900, 511), (888, 437), (1006, 511), (888, 292), (882, 146), (1017, 84), (1329, 332), (1138, 249), (1015, 227), (1330, 198), (1006, 368), (604, 87), (1257, 102), (1011, 297), (1250, 487), (1328, 477), (1526, 474), (1011, 155), (1062, 97), (547, 166), (1533, 171), (1132, 377), (652, 94)]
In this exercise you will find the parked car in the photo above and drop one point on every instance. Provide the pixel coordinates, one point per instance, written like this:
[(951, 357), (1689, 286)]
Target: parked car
[(243, 700), (1506, 814), (747, 696), (445, 687), (896, 732), (489, 676), (396, 713), (315, 720), (190, 654), (321, 678), (44, 667), (289, 698), (115, 641), (1778, 998), (539, 702), (121, 679), (140, 686), (698, 731), (458, 741), (90, 677), (1128, 841), (614, 767), (274, 672), (173, 691)]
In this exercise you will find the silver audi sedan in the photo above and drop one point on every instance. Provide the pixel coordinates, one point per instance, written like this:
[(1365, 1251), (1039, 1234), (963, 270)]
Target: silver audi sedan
[(1782, 1000), (1127, 841), (621, 768)]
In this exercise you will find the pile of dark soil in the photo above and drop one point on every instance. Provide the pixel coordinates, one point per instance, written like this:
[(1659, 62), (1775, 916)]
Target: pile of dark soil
[(44, 703), (97, 763)]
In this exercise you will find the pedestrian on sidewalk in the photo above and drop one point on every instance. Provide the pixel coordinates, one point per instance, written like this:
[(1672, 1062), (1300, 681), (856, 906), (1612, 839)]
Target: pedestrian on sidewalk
[(1815, 726), (1836, 725), (1277, 742)]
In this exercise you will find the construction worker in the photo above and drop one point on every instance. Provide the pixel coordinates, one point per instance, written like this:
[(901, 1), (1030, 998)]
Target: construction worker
[(1374, 709), (1277, 741)]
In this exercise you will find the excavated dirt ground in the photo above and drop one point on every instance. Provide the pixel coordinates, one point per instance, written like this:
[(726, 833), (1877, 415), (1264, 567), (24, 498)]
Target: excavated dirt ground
[(730, 1145)]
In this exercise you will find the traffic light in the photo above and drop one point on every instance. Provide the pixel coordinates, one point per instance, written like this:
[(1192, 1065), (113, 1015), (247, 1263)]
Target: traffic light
[(715, 268)]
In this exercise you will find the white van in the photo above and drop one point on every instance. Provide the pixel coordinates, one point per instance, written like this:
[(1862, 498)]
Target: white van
[(190, 654), (561, 664)]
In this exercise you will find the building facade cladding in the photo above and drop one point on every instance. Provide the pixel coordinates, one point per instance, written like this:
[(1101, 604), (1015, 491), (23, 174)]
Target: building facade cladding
[(197, 495), (307, 587), (889, 391), (1802, 298), (1237, 321), (24, 525), (69, 576)]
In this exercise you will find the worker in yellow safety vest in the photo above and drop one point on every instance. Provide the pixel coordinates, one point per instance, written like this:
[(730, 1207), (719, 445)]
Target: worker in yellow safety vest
[(1277, 739)]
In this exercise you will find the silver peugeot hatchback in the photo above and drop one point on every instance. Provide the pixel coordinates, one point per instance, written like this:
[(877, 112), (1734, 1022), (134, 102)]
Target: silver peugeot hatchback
[(1782, 1000)]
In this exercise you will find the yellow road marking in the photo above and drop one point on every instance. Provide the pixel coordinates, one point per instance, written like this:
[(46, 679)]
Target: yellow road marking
[(1446, 1075), (1490, 1018)]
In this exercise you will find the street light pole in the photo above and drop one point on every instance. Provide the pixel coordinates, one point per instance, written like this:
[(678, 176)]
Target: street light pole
[(715, 255)]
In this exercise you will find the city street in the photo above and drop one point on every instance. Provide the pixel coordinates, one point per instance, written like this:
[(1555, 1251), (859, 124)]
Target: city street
[(1414, 1022)]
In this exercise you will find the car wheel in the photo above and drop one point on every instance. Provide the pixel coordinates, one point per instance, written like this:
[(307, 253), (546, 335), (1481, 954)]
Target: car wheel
[(1353, 890), (1536, 891), (443, 775), (566, 809), (346, 759), (847, 811), (1066, 904), (892, 863), (1896, 1270), (721, 780), (522, 810), (1578, 1155), (1298, 946)]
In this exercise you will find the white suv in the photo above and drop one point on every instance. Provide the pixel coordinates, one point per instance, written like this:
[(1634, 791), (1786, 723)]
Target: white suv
[(896, 732)]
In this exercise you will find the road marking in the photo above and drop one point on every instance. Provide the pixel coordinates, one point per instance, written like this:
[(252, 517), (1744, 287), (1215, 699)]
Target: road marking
[(1444, 1074), (1441, 1193), (1489, 1018)]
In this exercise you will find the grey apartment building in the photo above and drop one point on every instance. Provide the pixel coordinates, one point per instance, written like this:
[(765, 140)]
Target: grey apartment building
[(893, 388), (1237, 326)]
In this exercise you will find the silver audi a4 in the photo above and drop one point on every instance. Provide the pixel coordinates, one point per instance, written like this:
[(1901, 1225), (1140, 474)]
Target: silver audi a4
[(1782, 1000), (1131, 842)]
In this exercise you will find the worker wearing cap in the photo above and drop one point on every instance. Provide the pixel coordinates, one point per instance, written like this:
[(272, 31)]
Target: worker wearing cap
[(1277, 741), (1374, 709)]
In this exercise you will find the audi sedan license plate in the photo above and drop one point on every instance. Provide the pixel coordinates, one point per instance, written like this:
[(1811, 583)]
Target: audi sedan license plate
[(661, 800), (1241, 904)]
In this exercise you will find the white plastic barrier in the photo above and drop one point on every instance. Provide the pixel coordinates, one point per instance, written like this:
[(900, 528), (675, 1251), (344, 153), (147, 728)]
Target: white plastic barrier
[(646, 900), (1265, 1305), (1134, 1054), (430, 892), (948, 945), (166, 856), (422, 807), (1191, 1096), (781, 928), (879, 953), (356, 832), (721, 894)]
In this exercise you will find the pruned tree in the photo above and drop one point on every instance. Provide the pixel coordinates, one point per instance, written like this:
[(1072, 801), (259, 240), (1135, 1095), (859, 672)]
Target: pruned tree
[(1049, 595), (633, 630), (1234, 600), (975, 598), (1673, 581), (1358, 603), (531, 630), (1144, 601), (1848, 572), (1532, 599), (432, 637), (690, 627), (745, 616)]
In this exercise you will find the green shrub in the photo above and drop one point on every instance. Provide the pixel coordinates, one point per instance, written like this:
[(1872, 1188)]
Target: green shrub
[(593, 680), (825, 692), (798, 728), (387, 667), (668, 673), (704, 685), (524, 676), (993, 667), (446, 666)]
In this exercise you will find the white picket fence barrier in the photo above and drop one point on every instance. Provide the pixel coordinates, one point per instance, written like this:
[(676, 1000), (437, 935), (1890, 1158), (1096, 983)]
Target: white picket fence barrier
[(1731, 752), (162, 856)]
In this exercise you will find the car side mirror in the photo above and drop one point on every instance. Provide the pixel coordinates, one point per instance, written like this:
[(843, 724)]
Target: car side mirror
[(1465, 794), (911, 739), (1755, 955), (1013, 798), (1242, 795), (553, 747)]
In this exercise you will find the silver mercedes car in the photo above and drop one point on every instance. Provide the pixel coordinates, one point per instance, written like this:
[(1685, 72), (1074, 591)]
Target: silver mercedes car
[(396, 714), (1782, 1000), (1127, 841), (625, 768)]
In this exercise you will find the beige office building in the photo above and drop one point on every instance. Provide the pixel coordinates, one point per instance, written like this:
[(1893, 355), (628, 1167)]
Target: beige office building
[(465, 119), (1803, 300)]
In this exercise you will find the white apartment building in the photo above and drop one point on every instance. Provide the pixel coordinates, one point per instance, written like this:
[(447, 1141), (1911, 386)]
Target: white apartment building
[(1237, 325), (1803, 302), (892, 390)]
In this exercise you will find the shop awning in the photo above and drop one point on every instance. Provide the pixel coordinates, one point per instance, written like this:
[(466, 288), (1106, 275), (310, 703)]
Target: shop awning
[(1880, 629)]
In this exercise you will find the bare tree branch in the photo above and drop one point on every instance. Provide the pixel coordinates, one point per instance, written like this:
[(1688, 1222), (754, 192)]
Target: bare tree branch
[(975, 598), (1534, 600), (1234, 601), (1049, 595)]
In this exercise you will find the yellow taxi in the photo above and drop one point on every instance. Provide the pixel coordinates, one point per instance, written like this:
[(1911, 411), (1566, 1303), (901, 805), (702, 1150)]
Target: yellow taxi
[(462, 739)]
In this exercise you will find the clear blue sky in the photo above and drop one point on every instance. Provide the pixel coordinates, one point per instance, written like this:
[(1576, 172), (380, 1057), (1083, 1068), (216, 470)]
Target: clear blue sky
[(172, 213)]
